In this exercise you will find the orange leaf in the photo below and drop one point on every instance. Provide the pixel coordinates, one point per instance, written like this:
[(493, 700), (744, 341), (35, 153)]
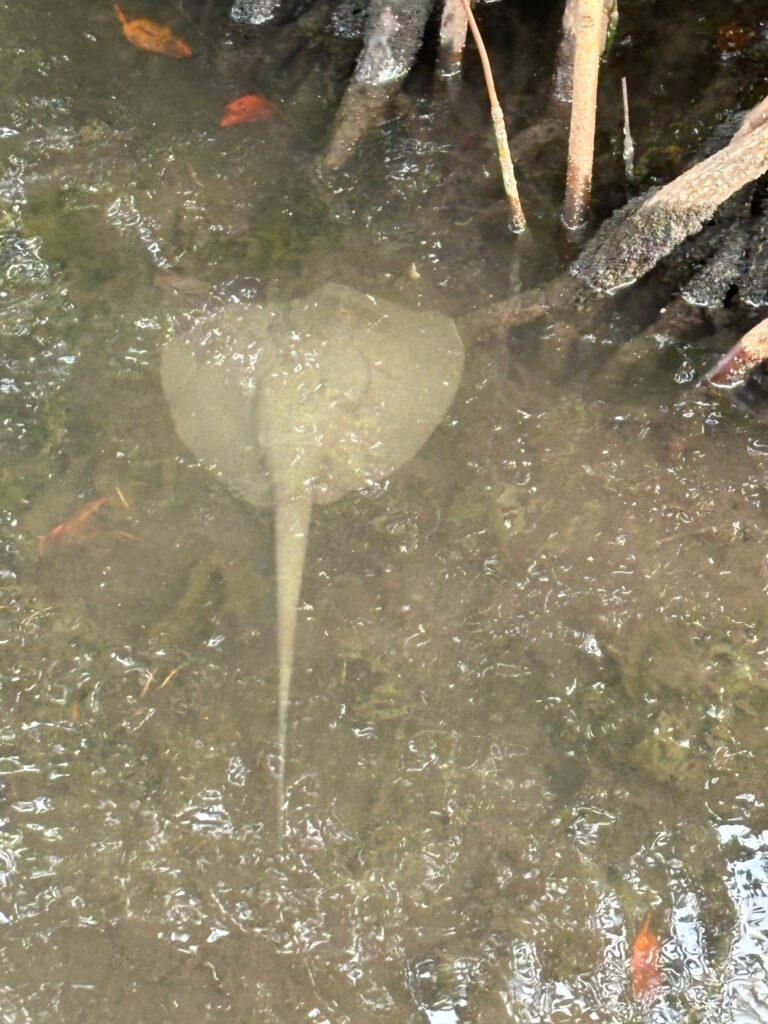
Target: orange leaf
[(644, 962), (148, 35), (247, 108), (71, 527)]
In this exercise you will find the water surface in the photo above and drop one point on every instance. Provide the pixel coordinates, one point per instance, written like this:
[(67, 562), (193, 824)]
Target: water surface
[(530, 701)]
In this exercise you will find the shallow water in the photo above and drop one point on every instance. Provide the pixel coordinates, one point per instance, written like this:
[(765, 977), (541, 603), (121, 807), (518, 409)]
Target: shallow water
[(530, 701)]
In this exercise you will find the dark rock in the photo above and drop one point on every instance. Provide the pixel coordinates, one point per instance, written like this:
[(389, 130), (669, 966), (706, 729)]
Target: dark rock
[(258, 12), (754, 288), (710, 284)]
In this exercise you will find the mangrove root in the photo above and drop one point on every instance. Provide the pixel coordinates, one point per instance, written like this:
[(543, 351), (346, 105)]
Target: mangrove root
[(739, 361), (453, 36), (362, 106), (563, 89), (590, 33), (756, 117), (521, 308), (393, 34), (636, 237)]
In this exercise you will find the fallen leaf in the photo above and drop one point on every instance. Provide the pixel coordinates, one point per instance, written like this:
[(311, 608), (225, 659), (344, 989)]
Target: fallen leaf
[(71, 526), (247, 108), (644, 962), (148, 35)]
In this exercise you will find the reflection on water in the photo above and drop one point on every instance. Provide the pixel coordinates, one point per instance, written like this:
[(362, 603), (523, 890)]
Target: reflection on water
[(530, 699)]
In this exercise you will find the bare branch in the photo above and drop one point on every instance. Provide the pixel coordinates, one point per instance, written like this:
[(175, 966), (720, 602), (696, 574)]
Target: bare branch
[(499, 128)]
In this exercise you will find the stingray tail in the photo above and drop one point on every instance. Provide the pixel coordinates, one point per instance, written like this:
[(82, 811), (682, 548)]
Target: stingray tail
[(292, 516)]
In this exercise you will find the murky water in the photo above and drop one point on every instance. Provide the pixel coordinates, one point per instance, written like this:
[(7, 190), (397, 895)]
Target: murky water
[(531, 699)]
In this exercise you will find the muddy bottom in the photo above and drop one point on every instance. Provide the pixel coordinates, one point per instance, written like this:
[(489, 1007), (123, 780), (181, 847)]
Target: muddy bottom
[(530, 698)]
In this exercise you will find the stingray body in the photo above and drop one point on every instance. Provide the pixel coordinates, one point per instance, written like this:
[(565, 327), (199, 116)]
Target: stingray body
[(298, 404)]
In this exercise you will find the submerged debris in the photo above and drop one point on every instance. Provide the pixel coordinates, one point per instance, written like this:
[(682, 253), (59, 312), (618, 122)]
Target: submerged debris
[(72, 526)]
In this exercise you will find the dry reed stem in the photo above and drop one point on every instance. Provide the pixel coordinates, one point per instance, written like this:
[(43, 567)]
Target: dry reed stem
[(500, 130), (556, 293), (736, 364), (581, 143)]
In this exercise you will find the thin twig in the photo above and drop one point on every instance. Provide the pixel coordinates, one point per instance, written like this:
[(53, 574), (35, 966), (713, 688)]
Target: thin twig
[(629, 145), (581, 143), (147, 683), (499, 129), (174, 672)]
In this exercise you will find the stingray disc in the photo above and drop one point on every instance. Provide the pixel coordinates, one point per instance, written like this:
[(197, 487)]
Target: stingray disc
[(300, 403), (324, 395)]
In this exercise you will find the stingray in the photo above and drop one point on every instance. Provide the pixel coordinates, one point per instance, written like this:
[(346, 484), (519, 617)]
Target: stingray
[(297, 404)]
